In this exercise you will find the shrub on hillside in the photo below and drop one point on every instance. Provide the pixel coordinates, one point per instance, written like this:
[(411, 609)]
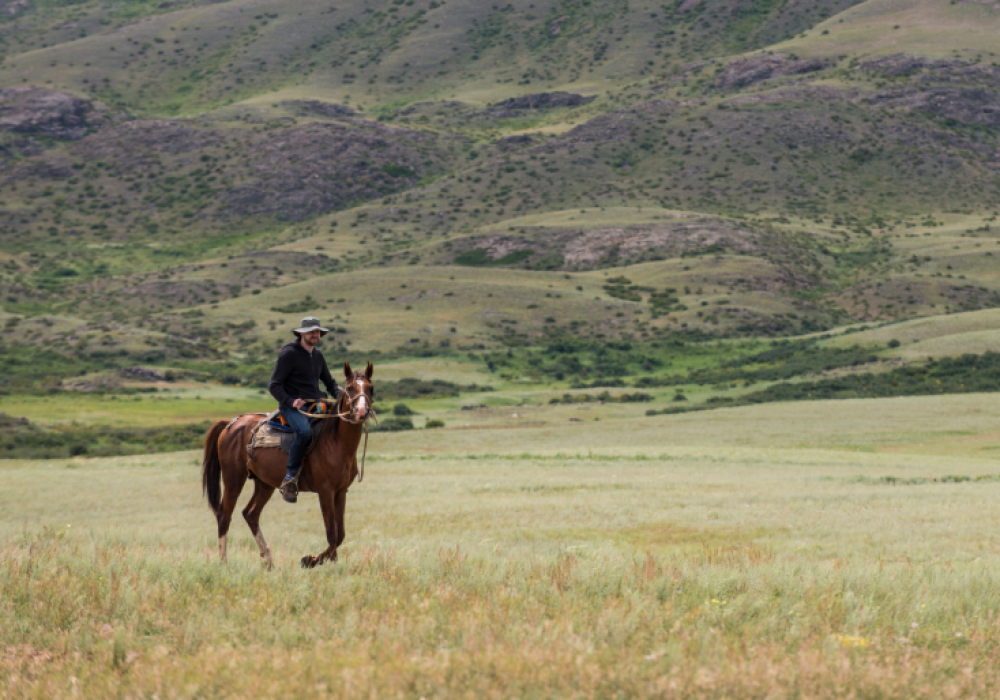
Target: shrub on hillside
[(394, 424)]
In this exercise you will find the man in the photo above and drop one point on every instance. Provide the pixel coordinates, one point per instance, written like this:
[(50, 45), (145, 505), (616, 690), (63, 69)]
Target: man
[(295, 380)]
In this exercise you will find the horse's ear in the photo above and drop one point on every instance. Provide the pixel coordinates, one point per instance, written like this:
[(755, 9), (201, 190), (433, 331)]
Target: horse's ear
[(370, 370), (347, 370)]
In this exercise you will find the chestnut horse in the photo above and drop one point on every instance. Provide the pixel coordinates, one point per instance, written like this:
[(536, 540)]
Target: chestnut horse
[(328, 470)]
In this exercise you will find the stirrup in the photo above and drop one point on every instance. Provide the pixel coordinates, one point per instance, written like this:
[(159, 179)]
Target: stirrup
[(290, 489)]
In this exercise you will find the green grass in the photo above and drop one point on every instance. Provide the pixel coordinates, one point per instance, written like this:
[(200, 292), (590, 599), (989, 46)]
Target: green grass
[(687, 553), (923, 27)]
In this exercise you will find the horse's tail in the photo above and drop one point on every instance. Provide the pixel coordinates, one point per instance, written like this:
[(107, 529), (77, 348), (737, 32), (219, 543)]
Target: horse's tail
[(211, 468)]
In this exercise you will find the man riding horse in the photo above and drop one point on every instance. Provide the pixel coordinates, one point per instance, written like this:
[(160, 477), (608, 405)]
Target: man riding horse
[(294, 383)]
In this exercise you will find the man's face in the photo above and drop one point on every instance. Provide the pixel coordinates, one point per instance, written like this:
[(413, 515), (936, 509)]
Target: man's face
[(311, 338)]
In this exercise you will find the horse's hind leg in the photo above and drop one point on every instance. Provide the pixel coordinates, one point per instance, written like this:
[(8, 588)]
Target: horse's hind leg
[(233, 479), (261, 495)]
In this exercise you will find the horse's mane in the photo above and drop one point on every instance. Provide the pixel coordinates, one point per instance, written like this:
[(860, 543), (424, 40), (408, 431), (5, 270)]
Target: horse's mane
[(333, 423)]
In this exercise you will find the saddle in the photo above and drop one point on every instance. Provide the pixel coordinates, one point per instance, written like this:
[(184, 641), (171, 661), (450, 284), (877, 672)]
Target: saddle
[(272, 432)]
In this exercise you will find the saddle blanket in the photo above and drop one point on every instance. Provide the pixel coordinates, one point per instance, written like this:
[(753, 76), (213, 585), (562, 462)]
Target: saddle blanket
[(268, 433)]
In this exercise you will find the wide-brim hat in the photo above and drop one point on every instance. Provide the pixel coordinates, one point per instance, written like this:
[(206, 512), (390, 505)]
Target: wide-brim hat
[(311, 323)]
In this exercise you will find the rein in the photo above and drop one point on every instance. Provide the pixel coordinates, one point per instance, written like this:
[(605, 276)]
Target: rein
[(349, 418)]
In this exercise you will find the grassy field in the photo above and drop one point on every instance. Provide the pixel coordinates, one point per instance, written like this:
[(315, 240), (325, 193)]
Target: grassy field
[(720, 222), (815, 549)]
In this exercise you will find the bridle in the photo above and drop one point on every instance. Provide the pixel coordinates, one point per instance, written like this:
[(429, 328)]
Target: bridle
[(352, 417)]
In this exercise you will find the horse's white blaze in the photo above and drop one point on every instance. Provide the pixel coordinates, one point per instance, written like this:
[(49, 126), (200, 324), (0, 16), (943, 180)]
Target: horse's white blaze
[(362, 399)]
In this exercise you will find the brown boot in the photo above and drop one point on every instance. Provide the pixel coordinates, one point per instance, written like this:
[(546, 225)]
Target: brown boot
[(290, 489)]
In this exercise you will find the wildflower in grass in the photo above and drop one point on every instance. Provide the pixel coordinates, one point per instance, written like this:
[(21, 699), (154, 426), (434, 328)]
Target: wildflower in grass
[(851, 640)]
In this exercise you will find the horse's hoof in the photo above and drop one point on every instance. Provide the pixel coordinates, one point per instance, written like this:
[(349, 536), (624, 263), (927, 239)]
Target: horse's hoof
[(307, 562)]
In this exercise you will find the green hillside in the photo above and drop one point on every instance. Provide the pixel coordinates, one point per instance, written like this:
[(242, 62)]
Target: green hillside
[(467, 181), (187, 57)]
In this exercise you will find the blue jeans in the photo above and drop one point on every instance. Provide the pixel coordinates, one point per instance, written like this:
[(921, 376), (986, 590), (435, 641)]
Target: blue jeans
[(303, 434)]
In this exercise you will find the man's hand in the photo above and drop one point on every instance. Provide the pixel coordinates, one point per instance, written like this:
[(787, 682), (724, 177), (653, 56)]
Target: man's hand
[(298, 403)]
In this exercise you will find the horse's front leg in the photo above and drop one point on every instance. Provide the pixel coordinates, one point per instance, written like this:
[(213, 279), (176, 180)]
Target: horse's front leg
[(341, 505), (328, 505)]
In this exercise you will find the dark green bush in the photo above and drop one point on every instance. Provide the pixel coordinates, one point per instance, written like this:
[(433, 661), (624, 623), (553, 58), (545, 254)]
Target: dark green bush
[(393, 424)]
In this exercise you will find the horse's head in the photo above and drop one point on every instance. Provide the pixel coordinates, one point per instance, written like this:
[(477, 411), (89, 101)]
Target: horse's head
[(359, 392)]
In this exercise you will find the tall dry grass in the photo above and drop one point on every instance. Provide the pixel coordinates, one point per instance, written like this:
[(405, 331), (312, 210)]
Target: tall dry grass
[(699, 571)]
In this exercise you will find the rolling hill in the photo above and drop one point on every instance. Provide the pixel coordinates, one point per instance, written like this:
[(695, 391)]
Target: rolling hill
[(182, 178)]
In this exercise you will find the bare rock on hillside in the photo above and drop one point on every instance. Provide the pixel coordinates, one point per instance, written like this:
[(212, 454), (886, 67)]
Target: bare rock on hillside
[(576, 249), (11, 8), (516, 106), (144, 374), (744, 72), (968, 106), (589, 248), (332, 110), (517, 141), (544, 100), (946, 70), (897, 65), (35, 111)]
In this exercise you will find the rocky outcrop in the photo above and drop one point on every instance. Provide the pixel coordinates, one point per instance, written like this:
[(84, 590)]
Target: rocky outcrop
[(744, 72), (516, 141), (582, 249), (897, 65), (11, 8), (38, 112), (544, 100), (333, 110), (517, 106), (968, 106), (945, 70), (144, 374)]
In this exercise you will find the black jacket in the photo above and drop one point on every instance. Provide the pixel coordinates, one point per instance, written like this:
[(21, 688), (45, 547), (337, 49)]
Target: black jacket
[(297, 375)]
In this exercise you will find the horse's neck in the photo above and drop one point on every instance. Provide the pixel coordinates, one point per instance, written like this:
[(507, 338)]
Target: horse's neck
[(349, 435)]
